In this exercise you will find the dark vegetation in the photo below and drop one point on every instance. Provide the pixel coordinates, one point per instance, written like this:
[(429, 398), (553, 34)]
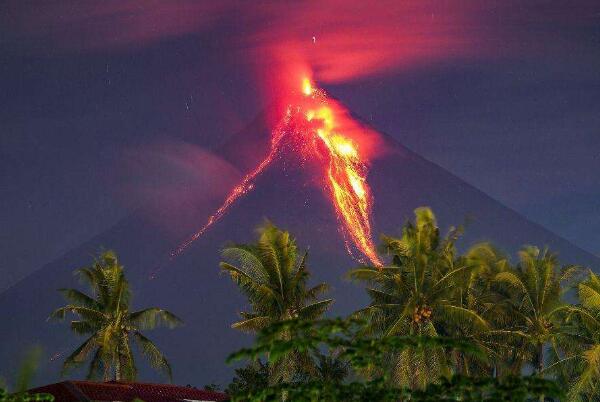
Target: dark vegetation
[(440, 325)]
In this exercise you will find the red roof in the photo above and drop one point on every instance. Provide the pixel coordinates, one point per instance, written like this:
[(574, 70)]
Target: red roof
[(76, 391)]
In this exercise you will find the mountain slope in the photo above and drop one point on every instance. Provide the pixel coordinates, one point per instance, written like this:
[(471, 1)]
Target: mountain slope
[(191, 285)]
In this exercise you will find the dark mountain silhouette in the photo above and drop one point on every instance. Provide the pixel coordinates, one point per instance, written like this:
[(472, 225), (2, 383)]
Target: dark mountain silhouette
[(192, 286)]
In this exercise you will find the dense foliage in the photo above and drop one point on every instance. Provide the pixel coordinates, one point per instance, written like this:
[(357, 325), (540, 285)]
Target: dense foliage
[(364, 353), (24, 397), (441, 324), (510, 318)]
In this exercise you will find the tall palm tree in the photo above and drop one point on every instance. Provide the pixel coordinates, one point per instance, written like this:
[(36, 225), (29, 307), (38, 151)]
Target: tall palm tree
[(491, 302), (273, 275), (577, 363), (105, 317), (534, 290), (419, 294)]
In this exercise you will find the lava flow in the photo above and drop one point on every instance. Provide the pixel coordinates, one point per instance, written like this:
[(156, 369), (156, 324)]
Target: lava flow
[(346, 173), (344, 167)]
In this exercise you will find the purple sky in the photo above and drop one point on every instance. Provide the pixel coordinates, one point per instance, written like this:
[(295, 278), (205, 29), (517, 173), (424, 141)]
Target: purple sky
[(507, 98)]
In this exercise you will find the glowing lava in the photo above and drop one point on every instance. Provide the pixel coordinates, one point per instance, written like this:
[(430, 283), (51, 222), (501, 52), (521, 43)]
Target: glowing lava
[(346, 176), (306, 87), (344, 168)]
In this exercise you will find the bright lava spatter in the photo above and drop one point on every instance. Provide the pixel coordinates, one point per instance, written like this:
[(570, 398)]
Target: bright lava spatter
[(345, 172)]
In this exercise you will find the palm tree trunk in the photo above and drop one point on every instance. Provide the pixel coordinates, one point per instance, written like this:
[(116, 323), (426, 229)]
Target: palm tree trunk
[(457, 365), (541, 365), (118, 372), (541, 358), (117, 365), (106, 372)]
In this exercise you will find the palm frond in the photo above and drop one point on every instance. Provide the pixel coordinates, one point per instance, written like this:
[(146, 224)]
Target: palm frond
[(152, 317), (464, 317), (84, 327), (365, 274), (253, 324), (315, 310), (86, 313), (379, 297), (589, 295), (95, 369), (512, 280), (588, 380), (154, 355), (236, 273), (80, 354), (77, 297), (316, 291), (443, 281), (569, 272), (247, 262)]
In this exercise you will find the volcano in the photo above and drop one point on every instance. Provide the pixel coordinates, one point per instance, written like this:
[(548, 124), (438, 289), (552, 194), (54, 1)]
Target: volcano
[(191, 284)]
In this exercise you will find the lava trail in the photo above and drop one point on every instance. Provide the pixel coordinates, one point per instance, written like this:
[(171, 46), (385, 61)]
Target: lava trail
[(246, 185)]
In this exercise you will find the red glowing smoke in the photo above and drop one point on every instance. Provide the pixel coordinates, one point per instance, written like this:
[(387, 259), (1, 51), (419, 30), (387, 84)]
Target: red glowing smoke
[(339, 39)]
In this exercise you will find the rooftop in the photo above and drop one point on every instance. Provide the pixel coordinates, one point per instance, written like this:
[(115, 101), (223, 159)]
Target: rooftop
[(76, 391)]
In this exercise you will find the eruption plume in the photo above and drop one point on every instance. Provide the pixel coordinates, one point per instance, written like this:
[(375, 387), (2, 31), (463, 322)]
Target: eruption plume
[(314, 125)]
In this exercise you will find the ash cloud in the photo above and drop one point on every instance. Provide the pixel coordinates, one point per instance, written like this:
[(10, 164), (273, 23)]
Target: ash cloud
[(339, 40)]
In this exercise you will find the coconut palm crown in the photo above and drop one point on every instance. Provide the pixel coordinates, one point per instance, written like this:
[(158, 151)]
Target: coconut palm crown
[(419, 293), (577, 362), (273, 275), (104, 316), (535, 289)]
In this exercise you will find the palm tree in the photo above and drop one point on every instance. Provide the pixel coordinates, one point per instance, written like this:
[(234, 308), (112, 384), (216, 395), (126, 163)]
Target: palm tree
[(251, 378), (104, 316), (420, 294), (577, 363), (483, 295), (273, 276), (534, 298), (331, 369)]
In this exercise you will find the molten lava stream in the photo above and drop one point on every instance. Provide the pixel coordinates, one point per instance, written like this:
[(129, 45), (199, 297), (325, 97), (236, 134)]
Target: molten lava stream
[(346, 175)]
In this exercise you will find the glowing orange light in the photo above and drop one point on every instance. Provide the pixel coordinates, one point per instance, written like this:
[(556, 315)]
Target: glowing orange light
[(344, 146), (346, 179), (306, 87)]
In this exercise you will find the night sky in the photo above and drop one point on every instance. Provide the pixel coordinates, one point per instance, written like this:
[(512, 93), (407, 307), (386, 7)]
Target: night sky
[(506, 95)]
